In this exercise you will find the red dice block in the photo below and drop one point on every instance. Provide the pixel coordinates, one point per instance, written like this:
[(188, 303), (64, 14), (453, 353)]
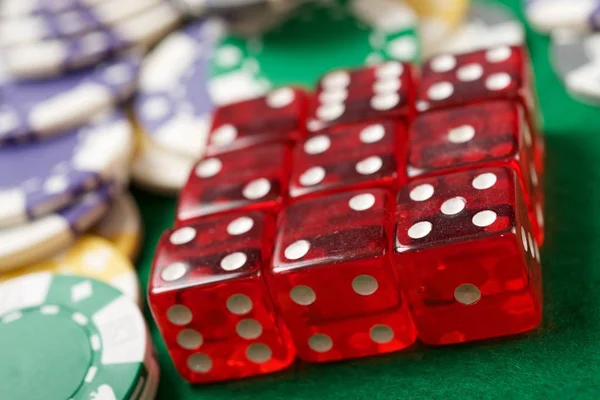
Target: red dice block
[(342, 225), (374, 93), (209, 298), (482, 134), (333, 280), (256, 178), (278, 116), (349, 156), (466, 256)]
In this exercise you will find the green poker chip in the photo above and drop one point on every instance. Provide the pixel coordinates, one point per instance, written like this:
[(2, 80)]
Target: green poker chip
[(67, 337), (317, 37)]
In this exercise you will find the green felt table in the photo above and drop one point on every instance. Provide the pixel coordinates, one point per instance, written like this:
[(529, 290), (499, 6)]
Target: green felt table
[(559, 360)]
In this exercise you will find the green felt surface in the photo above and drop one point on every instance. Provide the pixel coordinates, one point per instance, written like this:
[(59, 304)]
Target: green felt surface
[(560, 360)]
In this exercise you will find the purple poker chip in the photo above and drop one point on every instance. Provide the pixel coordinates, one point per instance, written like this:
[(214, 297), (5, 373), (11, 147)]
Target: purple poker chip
[(37, 109), (71, 22), (41, 177), (48, 58), (45, 236), (173, 105)]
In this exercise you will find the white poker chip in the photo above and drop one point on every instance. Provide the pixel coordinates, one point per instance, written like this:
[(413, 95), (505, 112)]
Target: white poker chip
[(577, 15), (53, 57), (174, 106), (75, 21), (576, 60), (159, 170), (45, 236), (39, 109), (41, 177), (487, 25)]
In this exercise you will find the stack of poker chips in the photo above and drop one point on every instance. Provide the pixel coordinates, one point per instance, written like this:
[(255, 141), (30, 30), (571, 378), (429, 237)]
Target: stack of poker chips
[(69, 229), (575, 43)]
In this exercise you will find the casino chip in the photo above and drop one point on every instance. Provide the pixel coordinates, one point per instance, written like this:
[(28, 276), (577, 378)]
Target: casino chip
[(224, 67), (69, 337), (39, 178), (576, 60), (92, 257), (576, 15), (44, 108), (45, 236), (52, 57), (70, 22), (487, 25), (173, 104), (438, 20), (122, 226), (159, 170)]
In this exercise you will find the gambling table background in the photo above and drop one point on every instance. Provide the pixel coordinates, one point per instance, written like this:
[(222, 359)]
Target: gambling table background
[(559, 360)]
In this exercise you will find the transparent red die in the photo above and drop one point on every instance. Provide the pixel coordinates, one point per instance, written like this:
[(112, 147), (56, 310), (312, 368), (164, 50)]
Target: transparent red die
[(493, 133), (372, 93), (349, 156), (279, 115), (467, 257), (210, 301), (250, 179), (332, 274), (497, 73)]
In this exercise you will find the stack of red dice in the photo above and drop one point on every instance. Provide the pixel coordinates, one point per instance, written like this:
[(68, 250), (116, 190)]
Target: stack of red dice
[(347, 224)]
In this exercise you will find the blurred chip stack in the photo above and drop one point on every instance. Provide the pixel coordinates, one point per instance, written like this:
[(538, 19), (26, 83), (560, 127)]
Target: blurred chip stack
[(575, 43)]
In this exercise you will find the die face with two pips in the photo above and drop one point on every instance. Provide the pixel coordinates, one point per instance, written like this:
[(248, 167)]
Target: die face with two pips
[(250, 180), (277, 116)]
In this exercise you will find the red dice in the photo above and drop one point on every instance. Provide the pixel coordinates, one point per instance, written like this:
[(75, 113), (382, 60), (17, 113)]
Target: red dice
[(210, 301), (502, 73), (482, 134), (466, 255), (333, 280), (254, 179), (349, 156), (374, 93), (343, 225), (279, 115)]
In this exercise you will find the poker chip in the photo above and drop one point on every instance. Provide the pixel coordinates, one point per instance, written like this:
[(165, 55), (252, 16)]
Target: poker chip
[(52, 57), (173, 105), (577, 15), (45, 236), (223, 67), (576, 60), (438, 20), (70, 337), (92, 257), (122, 226), (70, 22), (44, 108), (158, 170), (487, 25), (41, 177)]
